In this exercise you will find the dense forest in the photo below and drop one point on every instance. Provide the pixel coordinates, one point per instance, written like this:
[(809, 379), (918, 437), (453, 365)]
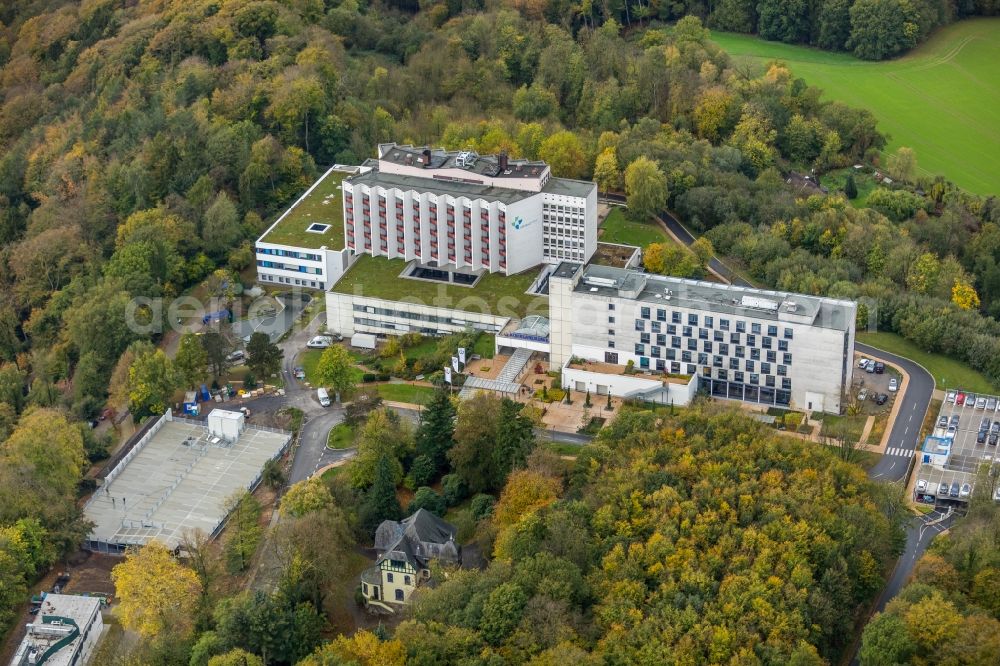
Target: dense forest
[(695, 539)]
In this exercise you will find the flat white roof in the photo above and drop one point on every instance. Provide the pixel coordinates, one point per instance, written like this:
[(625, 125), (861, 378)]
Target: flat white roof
[(78, 608), (179, 481)]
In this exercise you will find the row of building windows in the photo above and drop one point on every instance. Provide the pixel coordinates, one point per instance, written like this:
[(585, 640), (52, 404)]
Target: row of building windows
[(308, 256), (414, 316), (571, 255), (266, 277), (708, 347), (688, 332), (315, 270), (714, 360), (677, 317), (557, 230)]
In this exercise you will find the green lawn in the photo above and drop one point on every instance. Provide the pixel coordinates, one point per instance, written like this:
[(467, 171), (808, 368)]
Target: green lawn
[(563, 448), (942, 99), (323, 205), (495, 293), (947, 372), (835, 181), (854, 425), (416, 395), (309, 359), (341, 436), (422, 349), (335, 471), (485, 345), (617, 228)]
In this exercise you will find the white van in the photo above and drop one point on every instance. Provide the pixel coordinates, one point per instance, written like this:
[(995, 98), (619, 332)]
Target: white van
[(324, 397)]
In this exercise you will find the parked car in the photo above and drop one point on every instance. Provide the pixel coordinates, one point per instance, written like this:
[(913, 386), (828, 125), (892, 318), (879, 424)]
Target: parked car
[(991, 404), (881, 399), (954, 420), (950, 396), (981, 437), (893, 384), (921, 485), (237, 355), (980, 402), (985, 423), (996, 494), (943, 422), (960, 399), (970, 399), (863, 363), (995, 427), (965, 491), (994, 437), (862, 395), (870, 368), (323, 397), (954, 489), (299, 372), (879, 367), (320, 342)]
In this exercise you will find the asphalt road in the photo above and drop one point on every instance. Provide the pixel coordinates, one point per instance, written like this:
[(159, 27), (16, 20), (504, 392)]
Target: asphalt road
[(904, 433), (906, 428)]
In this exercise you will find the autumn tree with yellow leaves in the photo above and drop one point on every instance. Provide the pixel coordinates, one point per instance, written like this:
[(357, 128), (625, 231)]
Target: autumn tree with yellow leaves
[(157, 595)]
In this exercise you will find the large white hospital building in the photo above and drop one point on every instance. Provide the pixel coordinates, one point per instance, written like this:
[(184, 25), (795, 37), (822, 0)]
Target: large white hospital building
[(468, 211), (436, 241)]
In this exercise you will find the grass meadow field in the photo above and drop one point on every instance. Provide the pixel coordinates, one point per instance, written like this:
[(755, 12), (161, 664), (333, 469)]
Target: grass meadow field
[(942, 99)]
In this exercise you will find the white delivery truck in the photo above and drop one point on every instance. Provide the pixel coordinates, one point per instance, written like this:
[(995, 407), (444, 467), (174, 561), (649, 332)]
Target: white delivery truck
[(324, 397)]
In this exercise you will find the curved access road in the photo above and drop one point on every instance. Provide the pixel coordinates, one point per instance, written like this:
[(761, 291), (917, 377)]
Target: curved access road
[(903, 436)]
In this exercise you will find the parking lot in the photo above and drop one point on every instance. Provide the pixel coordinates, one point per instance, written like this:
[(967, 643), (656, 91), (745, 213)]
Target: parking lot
[(965, 437), (872, 382)]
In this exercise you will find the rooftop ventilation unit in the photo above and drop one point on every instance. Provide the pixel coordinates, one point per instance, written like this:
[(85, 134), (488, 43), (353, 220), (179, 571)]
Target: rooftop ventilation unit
[(466, 158), (760, 303), (791, 307), (599, 281)]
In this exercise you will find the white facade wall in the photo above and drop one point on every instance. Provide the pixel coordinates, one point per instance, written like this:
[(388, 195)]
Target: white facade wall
[(469, 233), (599, 383), (560, 319), (348, 314), (570, 227), (411, 225), (288, 265)]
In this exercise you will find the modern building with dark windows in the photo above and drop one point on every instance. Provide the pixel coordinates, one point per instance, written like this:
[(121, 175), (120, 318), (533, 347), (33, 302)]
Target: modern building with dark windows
[(639, 330)]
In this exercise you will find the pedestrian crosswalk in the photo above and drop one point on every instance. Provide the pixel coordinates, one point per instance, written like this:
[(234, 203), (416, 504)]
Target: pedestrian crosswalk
[(898, 452)]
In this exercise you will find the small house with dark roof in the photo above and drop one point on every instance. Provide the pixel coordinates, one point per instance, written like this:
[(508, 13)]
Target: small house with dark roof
[(405, 550)]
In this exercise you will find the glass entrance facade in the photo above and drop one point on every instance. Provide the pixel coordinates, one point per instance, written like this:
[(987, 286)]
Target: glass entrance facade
[(720, 388)]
